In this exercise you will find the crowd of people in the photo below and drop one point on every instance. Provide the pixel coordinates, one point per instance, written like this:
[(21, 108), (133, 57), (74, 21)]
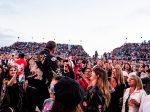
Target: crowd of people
[(31, 48), (131, 51), (46, 82)]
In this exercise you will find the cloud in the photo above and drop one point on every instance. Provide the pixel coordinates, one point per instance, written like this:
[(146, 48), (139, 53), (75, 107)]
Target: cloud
[(140, 12), (7, 8), (7, 31), (143, 11), (5, 36), (6, 39)]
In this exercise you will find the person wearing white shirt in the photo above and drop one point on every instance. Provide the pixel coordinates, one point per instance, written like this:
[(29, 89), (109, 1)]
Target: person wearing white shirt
[(133, 95), (145, 104)]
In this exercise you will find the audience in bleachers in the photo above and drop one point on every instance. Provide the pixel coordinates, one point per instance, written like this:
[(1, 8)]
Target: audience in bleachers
[(64, 50), (130, 51), (110, 84)]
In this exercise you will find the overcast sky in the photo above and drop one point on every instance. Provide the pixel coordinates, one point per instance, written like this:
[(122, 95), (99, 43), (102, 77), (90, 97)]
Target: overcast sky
[(98, 25)]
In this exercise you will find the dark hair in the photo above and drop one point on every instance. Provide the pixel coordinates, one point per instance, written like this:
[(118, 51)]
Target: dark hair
[(87, 69), (50, 45), (147, 66), (57, 77), (7, 71), (65, 60), (130, 69), (68, 94), (148, 71), (84, 62), (143, 65), (59, 58), (21, 55)]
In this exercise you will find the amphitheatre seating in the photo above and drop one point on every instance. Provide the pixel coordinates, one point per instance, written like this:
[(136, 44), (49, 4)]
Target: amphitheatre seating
[(131, 51), (34, 47)]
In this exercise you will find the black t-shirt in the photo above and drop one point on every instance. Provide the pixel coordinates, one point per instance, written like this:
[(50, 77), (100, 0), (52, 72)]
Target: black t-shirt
[(13, 94), (116, 99)]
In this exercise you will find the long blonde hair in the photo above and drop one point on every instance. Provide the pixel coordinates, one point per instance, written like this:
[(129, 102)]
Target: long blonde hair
[(103, 84), (119, 75), (139, 83)]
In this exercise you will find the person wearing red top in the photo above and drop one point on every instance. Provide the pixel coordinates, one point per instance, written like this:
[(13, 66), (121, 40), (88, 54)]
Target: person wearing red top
[(21, 63), (85, 80)]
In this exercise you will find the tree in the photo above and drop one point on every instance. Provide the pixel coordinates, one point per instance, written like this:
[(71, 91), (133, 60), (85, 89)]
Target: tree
[(96, 54)]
